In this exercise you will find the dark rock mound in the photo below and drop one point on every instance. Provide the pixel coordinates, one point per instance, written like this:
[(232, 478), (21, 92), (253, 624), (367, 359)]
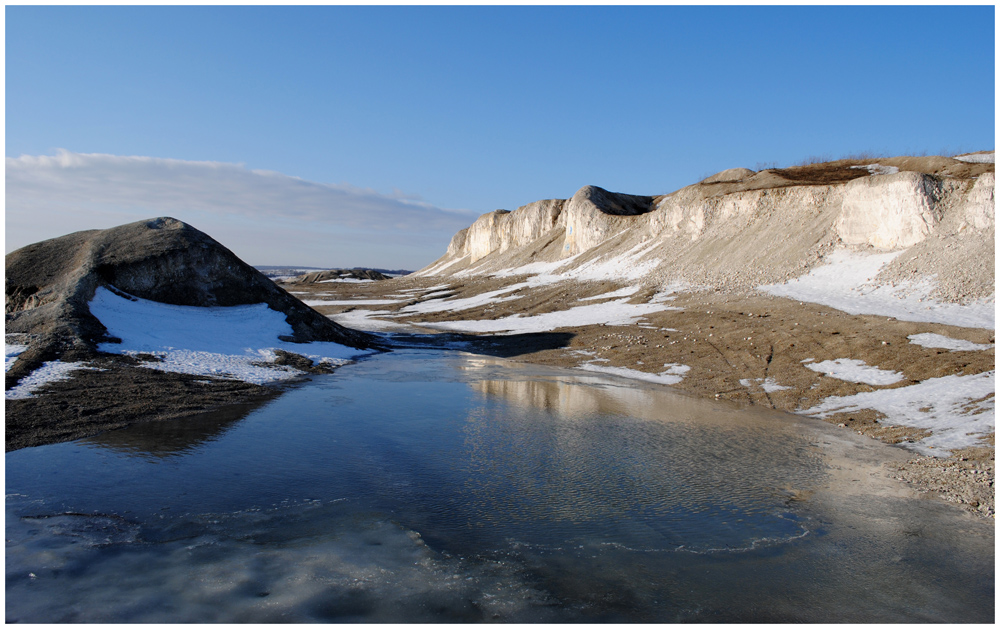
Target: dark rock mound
[(50, 284), (338, 274), (616, 203)]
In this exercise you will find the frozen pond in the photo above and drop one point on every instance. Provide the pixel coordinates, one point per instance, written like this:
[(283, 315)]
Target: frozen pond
[(425, 486)]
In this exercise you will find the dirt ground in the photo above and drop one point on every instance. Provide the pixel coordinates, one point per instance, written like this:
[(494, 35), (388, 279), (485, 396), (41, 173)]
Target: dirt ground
[(723, 339)]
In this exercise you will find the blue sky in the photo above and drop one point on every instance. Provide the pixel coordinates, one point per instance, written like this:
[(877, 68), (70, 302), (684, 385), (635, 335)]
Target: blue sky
[(331, 136)]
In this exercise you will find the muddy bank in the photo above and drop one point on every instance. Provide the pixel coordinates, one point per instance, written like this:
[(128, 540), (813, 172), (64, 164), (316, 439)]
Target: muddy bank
[(746, 349)]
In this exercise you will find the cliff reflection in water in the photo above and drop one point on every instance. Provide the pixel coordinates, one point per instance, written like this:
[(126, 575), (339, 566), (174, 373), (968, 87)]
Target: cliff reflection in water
[(588, 395), (675, 471), (581, 396)]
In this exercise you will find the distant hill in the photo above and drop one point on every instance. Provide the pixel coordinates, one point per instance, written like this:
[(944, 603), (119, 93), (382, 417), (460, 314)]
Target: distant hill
[(339, 275), (277, 272)]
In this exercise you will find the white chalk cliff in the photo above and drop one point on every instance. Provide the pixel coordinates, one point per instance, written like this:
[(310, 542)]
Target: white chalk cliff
[(740, 228)]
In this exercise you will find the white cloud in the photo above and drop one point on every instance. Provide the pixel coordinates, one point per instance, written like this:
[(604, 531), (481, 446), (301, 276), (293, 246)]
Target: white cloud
[(48, 196)]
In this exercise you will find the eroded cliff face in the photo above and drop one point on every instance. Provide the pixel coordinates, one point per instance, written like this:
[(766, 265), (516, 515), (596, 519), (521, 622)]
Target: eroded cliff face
[(889, 211), (501, 230), (740, 228), (588, 219)]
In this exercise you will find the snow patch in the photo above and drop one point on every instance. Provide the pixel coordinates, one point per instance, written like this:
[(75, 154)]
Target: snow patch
[(854, 370), (10, 353), (436, 294), (626, 266), (846, 282), (673, 375), (978, 158), (623, 292), (617, 312), (956, 409), (538, 268), (667, 293), (439, 267), (51, 371), (367, 321), (454, 305), (352, 280), (769, 385), (351, 302), (878, 169), (233, 342), (929, 339)]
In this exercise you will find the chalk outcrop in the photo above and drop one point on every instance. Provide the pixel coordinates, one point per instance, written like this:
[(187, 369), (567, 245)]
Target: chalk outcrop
[(502, 230), (890, 211), (594, 215), (739, 228), (50, 284)]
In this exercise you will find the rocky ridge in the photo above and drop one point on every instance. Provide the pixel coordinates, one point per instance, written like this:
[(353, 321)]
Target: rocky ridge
[(50, 286)]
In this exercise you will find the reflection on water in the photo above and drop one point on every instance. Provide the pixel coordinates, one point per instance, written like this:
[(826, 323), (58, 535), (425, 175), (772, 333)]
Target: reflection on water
[(672, 474), (420, 486), (176, 437)]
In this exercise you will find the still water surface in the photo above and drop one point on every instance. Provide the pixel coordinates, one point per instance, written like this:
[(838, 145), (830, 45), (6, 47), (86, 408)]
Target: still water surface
[(425, 486)]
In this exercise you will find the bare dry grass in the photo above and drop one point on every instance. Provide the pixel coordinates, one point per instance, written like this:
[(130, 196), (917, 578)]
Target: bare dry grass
[(823, 173)]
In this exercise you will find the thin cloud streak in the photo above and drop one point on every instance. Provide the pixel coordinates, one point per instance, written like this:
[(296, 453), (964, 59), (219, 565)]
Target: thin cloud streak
[(48, 196)]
